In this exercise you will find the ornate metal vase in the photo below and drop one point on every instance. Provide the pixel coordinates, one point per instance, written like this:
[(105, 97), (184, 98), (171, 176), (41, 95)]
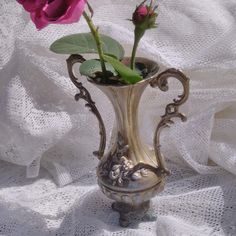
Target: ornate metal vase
[(130, 173)]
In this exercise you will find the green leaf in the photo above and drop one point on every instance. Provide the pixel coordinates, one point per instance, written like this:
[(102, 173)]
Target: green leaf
[(85, 43), (91, 67), (128, 75)]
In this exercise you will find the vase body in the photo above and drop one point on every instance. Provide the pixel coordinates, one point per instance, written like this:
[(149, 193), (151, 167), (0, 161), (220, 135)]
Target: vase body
[(120, 175), (131, 173)]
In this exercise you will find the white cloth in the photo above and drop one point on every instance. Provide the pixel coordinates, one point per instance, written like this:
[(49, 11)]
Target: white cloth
[(42, 125)]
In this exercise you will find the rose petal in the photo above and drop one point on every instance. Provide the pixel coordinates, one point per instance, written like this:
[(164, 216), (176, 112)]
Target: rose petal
[(39, 21), (32, 6), (74, 12), (55, 9)]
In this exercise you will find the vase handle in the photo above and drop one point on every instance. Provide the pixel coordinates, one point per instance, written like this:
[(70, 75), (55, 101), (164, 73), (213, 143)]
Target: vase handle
[(171, 111), (85, 95)]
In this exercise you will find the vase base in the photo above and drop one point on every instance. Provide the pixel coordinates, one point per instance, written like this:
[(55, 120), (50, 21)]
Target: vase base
[(126, 211)]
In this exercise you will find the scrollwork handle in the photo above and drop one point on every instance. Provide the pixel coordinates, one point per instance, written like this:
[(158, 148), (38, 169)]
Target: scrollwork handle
[(85, 95), (172, 109)]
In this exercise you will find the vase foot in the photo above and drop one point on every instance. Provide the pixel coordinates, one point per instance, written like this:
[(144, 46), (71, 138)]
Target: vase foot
[(126, 211)]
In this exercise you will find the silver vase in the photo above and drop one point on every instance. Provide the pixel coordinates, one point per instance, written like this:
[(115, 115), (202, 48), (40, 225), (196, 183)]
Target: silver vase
[(130, 173)]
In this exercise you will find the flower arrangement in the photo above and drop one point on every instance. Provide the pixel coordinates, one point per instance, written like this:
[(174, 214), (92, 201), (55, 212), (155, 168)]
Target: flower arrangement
[(128, 173), (108, 67)]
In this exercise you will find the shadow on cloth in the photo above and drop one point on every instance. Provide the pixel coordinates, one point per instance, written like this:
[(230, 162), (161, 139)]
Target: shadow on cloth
[(92, 215)]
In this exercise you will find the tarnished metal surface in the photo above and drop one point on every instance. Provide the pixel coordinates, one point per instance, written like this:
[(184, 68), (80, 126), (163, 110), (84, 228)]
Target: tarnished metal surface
[(85, 95), (172, 109), (130, 172)]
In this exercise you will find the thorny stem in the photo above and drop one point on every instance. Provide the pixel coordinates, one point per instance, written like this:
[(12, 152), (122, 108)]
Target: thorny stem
[(95, 33)]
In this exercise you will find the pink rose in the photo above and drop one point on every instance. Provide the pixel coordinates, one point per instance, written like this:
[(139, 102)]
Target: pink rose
[(45, 12), (145, 16), (32, 6), (140, 13)]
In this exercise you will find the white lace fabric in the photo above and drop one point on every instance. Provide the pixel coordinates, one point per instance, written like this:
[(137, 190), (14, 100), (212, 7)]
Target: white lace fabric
[(45, 134)]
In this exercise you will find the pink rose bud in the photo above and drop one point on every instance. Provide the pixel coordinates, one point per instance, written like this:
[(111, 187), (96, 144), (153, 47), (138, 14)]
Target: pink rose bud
[(140, 13), (145, 16)]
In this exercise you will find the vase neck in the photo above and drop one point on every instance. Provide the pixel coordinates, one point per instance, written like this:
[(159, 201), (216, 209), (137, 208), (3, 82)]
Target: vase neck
[(125, 101)]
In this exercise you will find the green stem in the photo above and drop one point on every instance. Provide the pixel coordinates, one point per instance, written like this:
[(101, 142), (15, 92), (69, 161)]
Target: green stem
[(98, 41), (138, 34)]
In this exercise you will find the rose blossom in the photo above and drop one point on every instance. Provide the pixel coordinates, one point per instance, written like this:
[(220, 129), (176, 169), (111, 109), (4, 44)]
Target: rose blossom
[(45, 12), (32, 6)]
